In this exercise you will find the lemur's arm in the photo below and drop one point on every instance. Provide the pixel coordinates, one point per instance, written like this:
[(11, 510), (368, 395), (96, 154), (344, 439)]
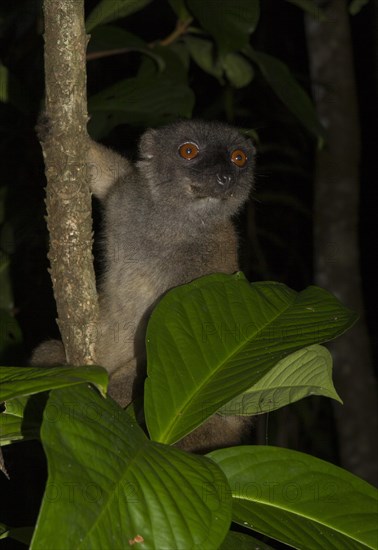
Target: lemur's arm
[(105, 168)]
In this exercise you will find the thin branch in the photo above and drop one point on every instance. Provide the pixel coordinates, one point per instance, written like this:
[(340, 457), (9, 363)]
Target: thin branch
[(181, 28), (107, 53)]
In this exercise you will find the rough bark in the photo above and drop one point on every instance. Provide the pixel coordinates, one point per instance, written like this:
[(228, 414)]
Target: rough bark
[(68, 198), (336, 232)]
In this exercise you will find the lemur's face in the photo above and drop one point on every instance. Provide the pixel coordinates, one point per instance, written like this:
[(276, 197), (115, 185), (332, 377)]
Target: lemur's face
[(205, 164)]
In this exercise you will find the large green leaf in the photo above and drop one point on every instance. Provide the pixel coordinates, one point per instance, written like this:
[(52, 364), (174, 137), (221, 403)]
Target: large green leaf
[(109, 486), (19, 381), (307, 371), (298, 499), (145, 101), (279, 77), (110, 10), (21, 418), (230, 22), (214, 338)]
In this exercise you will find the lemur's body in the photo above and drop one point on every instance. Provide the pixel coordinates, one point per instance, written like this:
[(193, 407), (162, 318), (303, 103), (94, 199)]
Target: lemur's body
[(167, 221)]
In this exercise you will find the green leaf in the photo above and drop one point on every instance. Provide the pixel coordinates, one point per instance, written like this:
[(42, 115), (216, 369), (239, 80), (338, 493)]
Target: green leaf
[(19, 381), (230, 22), (238, 70), (108, 10), (147, 101), (3, 201), (310, 7), (356, 6), (180, 51), (172, 62), (10, 333), (279, 77), (302, 373), (203, 53), (6, 296), (214, 338), (4, 77), (298, 499), (21, 419), (21, 534), (111, 38), (180, 10), (109, 486), (240, 541), (11, 421)]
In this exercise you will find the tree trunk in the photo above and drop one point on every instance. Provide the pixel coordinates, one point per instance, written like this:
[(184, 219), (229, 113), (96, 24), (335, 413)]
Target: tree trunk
[(68, 198), (336, 232)]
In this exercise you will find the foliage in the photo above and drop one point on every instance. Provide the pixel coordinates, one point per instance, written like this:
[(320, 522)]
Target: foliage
[(215, 39), (209, 341), (242, 331), (297, 499)]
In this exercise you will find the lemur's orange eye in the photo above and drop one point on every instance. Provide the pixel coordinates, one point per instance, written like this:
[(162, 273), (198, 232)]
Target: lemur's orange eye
[(239, 158), (188, 151)]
